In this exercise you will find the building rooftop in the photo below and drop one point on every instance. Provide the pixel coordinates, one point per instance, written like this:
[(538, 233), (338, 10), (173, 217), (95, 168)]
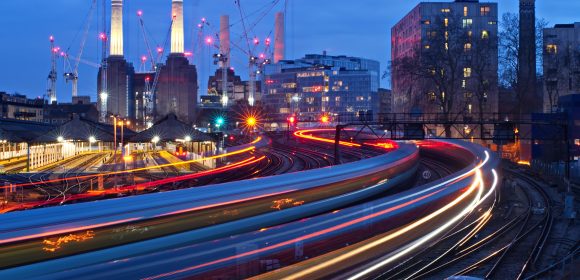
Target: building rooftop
[(170, 129), (567, 25)]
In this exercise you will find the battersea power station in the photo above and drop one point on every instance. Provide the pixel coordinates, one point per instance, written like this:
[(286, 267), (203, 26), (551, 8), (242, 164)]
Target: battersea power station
[(145, 97)]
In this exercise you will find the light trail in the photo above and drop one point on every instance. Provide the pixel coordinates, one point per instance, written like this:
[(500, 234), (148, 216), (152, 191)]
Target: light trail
[(138, 187), (248, 149), (456, 179), (67, 230), (298, 239), (339, 226), (301, 134), (476, 202)]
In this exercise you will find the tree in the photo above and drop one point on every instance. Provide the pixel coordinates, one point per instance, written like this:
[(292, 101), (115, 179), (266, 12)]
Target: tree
[(509, 44), (438, 68), (484, 79)]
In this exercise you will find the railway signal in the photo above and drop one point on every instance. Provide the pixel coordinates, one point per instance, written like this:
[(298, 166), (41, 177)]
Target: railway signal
[(219, 121)]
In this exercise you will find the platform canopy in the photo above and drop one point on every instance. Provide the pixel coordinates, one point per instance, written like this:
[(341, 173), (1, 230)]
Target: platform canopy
[(12, 130), (79, 129), (171, 129)]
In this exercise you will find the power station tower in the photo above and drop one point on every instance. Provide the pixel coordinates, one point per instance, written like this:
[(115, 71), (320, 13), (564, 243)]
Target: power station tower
[(279, 35), (52, 75), (223, 58)]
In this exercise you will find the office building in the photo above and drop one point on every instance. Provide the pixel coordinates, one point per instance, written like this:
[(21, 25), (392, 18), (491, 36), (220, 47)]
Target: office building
[(320, 84)]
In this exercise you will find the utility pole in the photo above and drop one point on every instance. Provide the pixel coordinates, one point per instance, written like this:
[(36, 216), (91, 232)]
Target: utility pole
[(252, 84), (104, 95), (221, 60)]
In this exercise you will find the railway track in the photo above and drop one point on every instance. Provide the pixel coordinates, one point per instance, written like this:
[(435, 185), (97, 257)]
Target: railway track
[(483, 246)]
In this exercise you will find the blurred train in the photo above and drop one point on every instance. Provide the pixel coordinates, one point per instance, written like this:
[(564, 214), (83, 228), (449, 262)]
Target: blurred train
[(108, 223), (246, 254)]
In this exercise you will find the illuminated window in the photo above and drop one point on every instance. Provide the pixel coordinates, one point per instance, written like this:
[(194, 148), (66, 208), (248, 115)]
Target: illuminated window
[(470, 108), (337, 98), (446, 35), (467, 47), (465, 11), (469, 33), (431, 96), (466, 72), (325, 98), (446, 46), (484, 34), (427, 47), (446, 22), (467, 22), (552, 48), (446, 10), (426, 22), (464, 83), (577, 142), (492, 22), (485, 10), (360, 98), (289, 85)]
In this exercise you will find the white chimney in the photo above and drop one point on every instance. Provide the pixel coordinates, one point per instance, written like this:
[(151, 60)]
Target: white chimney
[(116, 28), (177, 28), (279, 38), (225, 38)]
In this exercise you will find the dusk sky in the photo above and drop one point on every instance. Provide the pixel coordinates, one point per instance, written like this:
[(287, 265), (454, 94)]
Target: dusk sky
[(341, 27)]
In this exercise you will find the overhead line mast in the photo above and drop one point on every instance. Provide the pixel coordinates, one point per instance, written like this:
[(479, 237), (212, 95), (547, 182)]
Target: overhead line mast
[(104, 94)]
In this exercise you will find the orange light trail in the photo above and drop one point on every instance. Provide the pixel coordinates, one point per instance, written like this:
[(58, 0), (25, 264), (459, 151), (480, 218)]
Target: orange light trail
[(478, 183), (302, 238), (138, 187), (248, 149), (464, 194), (61, 231), (301, 134)]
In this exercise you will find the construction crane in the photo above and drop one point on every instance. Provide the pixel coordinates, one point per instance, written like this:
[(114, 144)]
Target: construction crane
[(254, 62), (73, 71), (104, 94), (146, 39), (52, 75), (149, 96)]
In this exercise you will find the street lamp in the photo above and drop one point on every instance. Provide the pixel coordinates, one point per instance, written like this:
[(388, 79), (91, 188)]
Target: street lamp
[(60, 139), (251, 122), (155, 140), (92, 139)]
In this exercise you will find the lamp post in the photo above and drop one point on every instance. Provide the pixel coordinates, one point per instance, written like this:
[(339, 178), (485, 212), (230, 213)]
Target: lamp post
[(154, 141), (92, 140), (187, 144)]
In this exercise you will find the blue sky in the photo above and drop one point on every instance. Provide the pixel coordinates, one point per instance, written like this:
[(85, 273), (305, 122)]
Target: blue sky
[(357, 28)]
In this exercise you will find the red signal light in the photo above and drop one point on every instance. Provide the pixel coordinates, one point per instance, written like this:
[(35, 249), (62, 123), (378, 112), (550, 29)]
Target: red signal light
[(292, 119)]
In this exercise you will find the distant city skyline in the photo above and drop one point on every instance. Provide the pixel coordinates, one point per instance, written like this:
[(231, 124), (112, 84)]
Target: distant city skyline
[(340, 27)]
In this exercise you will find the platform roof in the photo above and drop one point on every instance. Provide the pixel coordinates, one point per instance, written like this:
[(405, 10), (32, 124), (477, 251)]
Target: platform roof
[(13, 130), (79, 129), (170, 129)]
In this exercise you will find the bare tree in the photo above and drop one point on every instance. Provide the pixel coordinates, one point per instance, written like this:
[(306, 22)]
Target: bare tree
[(509, 44), (438, 67), (484, 79)]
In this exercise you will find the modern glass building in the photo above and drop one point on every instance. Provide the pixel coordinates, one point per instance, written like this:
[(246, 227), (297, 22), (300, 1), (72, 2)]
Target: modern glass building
[(321, 84)]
